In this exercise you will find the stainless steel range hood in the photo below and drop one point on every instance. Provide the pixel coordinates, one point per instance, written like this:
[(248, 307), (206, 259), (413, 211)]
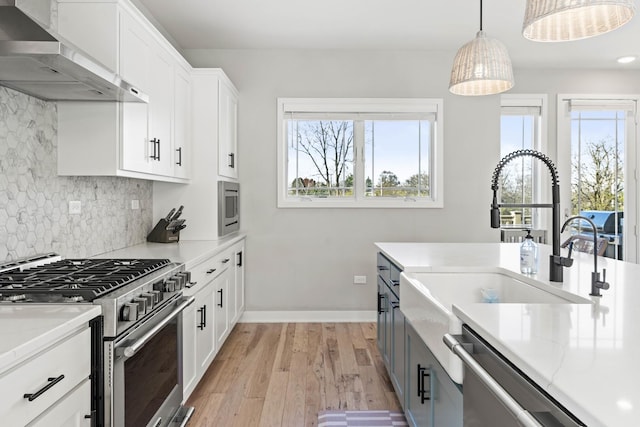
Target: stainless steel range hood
[(34, 60)]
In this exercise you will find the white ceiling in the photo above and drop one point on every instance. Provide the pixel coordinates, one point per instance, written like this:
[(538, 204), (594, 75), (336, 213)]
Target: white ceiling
[(436, 25)]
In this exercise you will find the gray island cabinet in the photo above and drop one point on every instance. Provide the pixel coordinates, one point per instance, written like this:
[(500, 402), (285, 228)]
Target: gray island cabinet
[(428, 396)]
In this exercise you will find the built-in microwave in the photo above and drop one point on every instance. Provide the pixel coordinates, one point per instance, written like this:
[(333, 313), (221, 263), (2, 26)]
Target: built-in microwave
[(228, 208)]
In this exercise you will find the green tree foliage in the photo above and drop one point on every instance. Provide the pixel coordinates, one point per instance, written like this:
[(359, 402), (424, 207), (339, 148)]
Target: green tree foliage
[(418, 184)]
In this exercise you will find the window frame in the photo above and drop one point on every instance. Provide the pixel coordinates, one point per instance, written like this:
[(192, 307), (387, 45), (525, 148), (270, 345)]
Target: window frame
[(541, 191), (631, 251), (361, 106)]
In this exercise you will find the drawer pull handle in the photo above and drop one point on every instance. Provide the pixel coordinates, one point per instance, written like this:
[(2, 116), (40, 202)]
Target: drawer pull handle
[(226, 260), (382, 268), (211, 271), (52, 381)]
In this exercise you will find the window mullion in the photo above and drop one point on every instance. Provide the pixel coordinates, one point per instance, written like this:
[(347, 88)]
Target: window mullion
[(358, 160)]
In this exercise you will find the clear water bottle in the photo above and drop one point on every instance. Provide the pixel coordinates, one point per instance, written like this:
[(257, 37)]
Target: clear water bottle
[(529, 255)]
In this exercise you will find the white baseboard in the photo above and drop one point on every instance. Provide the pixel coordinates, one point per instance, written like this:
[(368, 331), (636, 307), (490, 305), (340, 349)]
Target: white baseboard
[(307, 316)]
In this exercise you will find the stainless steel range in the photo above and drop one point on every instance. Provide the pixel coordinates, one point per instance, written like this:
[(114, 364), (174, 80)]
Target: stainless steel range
[(137, 356)]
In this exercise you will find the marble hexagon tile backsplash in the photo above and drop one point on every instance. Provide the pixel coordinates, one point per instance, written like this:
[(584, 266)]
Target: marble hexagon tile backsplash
[(34, 201)]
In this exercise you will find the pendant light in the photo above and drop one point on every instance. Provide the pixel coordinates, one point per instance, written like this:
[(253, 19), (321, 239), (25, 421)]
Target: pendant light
[(564, 20), (481, 67)]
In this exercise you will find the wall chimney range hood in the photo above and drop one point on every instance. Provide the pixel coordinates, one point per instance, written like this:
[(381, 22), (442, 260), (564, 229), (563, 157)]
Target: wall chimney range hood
[(35, 61)]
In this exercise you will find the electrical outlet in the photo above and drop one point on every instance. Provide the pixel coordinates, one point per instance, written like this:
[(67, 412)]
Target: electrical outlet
[(75, 207), (135, 204), (359, 280)]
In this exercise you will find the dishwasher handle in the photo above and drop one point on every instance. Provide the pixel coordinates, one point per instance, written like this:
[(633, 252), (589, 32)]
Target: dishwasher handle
[(522, 415)]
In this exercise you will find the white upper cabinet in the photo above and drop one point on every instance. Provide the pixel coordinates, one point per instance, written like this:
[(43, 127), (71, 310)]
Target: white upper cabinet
[(228, 138), (147, 141), (182, 149)]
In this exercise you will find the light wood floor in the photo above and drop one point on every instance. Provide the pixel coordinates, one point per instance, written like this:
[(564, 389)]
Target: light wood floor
[(282, 374)]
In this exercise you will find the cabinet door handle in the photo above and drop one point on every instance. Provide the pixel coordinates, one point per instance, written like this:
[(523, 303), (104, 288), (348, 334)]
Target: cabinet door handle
[(179, 162), (232, 160), (423, 373), (153, 142), (156, 149), (52, 381), (379, 303), (203, 317), (239, 264), (220, 292)]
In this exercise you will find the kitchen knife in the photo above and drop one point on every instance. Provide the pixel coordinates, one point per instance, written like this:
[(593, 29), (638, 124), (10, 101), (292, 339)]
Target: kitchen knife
[(178, 213), (169, 215)]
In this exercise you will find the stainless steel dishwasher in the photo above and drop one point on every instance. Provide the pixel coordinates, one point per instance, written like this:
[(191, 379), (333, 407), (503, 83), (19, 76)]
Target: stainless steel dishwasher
[(496, 393)]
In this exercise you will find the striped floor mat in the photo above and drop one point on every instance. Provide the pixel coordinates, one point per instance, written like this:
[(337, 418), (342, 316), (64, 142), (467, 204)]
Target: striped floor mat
[(361, 419)]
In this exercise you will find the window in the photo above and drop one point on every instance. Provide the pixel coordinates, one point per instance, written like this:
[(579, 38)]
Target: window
[(359, 153), (522, 124), (597, 141)]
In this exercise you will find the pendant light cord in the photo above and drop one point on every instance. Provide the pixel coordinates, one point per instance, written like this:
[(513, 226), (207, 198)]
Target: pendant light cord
[(480, 15)]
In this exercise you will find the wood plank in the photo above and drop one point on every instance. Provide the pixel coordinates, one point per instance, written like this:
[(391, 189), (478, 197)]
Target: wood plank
[(358, 339), (296, 388), (206, 409), (249, 412), (345, 346), (314, 393), (286, 351), (273, 407), (267, 347)]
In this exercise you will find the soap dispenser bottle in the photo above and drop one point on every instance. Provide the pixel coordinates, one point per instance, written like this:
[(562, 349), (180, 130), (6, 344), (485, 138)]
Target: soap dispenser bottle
[(529, 255)]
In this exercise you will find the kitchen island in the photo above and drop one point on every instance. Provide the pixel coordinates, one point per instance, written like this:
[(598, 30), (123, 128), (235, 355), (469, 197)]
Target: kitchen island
[(583, 355)]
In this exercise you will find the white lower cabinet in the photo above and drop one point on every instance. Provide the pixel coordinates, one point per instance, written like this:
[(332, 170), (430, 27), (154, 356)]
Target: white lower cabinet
[(70, 411), (225, 291), (31, 391), (198, 338), (207, 322)]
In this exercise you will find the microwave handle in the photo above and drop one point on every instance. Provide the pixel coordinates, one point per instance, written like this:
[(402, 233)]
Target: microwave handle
[(521, 414), (132, 349)]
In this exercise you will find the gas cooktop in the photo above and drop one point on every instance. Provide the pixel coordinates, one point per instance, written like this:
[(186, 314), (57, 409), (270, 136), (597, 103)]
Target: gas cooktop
[(72, 280)]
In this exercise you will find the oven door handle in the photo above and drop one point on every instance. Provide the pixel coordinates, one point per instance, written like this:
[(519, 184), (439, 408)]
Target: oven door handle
[(132, 349), (522, 415)]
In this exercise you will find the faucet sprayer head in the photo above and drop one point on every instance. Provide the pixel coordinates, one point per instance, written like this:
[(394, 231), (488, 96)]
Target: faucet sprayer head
[(495, 211)]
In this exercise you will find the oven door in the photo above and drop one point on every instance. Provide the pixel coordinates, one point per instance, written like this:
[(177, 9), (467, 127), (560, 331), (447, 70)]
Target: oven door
[(145, 388)]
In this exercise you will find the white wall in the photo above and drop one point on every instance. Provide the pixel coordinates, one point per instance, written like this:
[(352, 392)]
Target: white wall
[(305, 259)]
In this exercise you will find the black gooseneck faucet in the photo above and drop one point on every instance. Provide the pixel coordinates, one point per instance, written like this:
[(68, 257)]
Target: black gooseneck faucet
[(596, 283), (556, 262)]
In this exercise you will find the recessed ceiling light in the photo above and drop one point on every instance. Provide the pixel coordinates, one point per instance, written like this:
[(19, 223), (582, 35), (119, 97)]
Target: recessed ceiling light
[(626, 59)]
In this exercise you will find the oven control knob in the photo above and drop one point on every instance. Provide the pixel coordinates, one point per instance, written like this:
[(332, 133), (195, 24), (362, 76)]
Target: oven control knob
[(169, 286), (159, 286), (180, 281), (157, 296), (142, 305), (150, 300), (187, 276), (129, 312)]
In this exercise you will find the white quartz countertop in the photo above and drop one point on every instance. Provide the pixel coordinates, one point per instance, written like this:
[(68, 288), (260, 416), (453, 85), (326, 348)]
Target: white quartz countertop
[(27, 329), (585, 355), (189, 252)]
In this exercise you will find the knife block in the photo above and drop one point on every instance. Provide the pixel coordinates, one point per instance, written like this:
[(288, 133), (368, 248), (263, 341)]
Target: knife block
[(160, 234)]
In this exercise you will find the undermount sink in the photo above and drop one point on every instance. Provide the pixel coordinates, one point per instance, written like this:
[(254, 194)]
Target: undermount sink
[(427, 299)]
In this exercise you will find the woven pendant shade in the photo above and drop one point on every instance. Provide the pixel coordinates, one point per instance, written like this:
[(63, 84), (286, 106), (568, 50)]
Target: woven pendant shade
[(481, 67), (564, 20)]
